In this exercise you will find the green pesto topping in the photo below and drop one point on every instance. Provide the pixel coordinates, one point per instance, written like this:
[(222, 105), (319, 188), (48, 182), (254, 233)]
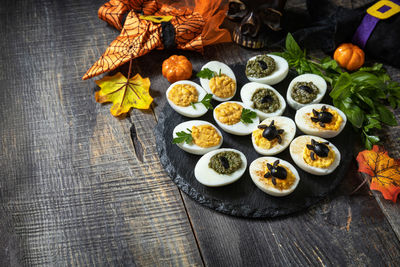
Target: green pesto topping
[(265, 100), (304, 92), (261, 66), (225, 162)]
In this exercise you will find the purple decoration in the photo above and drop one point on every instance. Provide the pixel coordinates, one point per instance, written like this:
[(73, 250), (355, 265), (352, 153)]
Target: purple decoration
[(367, 25)]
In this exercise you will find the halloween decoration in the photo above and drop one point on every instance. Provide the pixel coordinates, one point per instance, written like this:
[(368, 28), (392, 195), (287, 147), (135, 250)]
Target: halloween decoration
[(257, 19), (270, 132), (150, 24), (177, 68), (330, 25), (383, 170), (322, 117), (349, 56)]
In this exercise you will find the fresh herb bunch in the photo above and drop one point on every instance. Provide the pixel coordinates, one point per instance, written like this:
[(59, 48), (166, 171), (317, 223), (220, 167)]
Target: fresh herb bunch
[(183, 137), (362, 95), (247, 115), (206, 101)]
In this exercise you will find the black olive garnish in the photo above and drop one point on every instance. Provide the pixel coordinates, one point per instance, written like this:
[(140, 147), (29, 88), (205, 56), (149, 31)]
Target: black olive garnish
[(270, 132), (276, 172), (262, 64), (319, 148), (322, 117), (266, 99), (224, 162), (306, 89)]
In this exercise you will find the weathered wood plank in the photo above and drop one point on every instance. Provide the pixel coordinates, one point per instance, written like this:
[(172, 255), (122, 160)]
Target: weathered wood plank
[(72, 191)]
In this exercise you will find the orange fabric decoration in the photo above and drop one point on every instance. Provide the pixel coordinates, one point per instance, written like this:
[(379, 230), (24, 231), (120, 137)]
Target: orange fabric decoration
[(177, 68), (193, 29), (349, 56), (384, 171)]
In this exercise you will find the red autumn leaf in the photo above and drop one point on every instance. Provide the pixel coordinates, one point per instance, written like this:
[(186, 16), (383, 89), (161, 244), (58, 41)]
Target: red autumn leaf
[(384, 171)]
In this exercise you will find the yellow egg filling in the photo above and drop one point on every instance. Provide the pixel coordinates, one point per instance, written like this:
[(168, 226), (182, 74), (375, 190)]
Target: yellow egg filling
[(334, 125), (183, 94), (229, 113), (222, 86), (281, 184), (319, 162), (205, 136), (263, 142)]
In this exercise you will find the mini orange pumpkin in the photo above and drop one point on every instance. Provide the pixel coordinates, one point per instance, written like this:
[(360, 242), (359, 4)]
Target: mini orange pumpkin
[(349, 56), (177, 68)]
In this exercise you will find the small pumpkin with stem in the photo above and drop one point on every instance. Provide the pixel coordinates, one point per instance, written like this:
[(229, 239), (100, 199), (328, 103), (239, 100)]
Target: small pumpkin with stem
[(177, 68), (349, 56)]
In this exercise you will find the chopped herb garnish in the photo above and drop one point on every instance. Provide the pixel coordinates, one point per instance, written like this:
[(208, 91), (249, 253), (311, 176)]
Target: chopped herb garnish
[(206, 101), (205, 74), (247, 115), (183, 137)]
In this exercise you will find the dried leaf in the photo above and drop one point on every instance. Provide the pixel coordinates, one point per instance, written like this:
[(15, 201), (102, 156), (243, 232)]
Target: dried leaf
[(384, 171), (124, 94)]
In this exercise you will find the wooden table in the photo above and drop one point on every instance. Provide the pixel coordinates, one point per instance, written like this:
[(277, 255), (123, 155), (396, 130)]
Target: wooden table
[(74, 190)]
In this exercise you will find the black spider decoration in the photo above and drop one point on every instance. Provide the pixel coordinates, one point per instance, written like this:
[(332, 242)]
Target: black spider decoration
[(275, 172), (322, 117), (321, 149), (270, 132)]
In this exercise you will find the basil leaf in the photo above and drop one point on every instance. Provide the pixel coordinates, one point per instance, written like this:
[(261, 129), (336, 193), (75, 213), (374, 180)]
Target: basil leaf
[(386, 116), (292, 46), (353, 112), (342, 86)]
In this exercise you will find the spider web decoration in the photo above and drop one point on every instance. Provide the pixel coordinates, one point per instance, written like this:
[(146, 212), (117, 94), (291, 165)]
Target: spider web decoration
[(139, 36)]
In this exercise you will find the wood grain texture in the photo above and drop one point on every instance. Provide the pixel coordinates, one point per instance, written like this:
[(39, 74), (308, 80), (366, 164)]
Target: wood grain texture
[(72, 191)]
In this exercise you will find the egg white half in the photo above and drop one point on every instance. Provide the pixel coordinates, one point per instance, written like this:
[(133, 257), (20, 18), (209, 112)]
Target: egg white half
[(280, 73), (239, 128), (305, 124), (296, 152), (207, 176), (189, 111), (257, 171), (216, 66), (193, 148), (317, 80), (280, 122), (249, 89)]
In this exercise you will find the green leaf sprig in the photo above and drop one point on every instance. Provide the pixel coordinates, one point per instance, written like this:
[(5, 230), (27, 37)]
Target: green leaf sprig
[(206, 101), (183, 137), (362, 95), (206, 73), (247, 115)]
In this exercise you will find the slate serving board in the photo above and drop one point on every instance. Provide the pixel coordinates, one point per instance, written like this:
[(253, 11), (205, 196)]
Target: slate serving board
[(243, 198)]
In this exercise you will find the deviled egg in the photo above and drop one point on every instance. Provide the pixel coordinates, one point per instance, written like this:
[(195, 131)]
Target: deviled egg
[(185, 96), (305, 89), (274, 176), (197, 137), (314, 154), (267, 69), (273, 135), (266, 101), (236, 118), (218, 79), (220, 167), (321, 120)]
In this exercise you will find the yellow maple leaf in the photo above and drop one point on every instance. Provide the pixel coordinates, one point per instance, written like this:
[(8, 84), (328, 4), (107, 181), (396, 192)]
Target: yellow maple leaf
[(123, 93)]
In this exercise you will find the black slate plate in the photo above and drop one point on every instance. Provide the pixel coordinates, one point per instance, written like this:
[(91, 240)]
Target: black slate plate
[(243, 198)]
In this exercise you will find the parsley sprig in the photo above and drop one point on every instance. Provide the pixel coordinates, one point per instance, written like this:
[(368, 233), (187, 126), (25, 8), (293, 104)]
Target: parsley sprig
[(247, 115), (183, 137), (206, 73), (362, 95), (206, 101)]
